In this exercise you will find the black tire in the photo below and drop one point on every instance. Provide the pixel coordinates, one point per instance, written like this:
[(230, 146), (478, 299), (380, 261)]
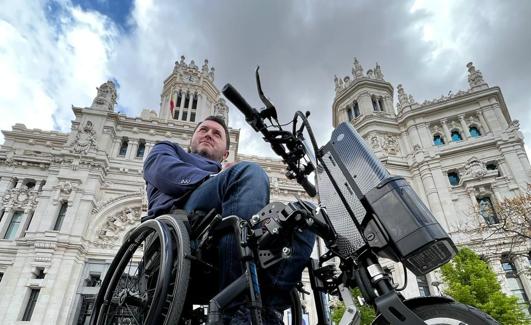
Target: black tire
[(295, 307), (180, 274), (137, 298), (448, 313)]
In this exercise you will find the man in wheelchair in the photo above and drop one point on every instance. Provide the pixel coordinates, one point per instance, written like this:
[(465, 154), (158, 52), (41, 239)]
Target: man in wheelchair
[(196, 180)]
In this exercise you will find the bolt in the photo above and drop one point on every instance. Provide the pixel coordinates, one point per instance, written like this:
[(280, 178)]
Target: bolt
[(255, 219), (286, 251), (275, 231), (370, 236)]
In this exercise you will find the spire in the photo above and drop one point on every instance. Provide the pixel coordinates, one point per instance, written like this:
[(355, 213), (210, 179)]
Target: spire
[(475, 78), (404, 100)]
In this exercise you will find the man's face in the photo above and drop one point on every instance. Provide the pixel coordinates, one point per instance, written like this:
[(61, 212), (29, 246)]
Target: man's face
[(209, 141)]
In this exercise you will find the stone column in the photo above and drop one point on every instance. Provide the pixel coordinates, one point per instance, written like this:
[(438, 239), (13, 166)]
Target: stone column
[(133, 146), (181, 105), (5, 184), (149, 145), (365, 104), (483, 122), (466, 133), (425, 135), (446, 131), (495, 264), (116, 147), (431, 192), (522, 268)]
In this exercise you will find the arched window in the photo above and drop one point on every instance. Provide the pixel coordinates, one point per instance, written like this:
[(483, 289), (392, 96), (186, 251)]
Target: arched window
[(141, 148), (356, 109), (30, 184), (456, 136), (349, 113), (486, 210), (123, 147), (453, 178), (60, 216), (474, 132), (438, 140)]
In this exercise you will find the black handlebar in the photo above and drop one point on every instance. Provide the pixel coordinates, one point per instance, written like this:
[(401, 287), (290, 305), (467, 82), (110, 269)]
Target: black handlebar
[(234, 96), (257, 122)]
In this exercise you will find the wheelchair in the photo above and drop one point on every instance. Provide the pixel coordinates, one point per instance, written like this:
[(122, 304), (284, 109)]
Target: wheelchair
[(163, 274)]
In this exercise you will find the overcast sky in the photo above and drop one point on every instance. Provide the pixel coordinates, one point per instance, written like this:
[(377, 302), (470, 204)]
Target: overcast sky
[(54, 53)]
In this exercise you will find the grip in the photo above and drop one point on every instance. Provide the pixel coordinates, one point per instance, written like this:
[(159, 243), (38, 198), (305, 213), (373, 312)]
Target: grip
[(234, 96)]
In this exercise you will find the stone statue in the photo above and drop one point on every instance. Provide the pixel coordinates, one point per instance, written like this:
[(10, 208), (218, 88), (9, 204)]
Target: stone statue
[(370, 74), (106, 96), (357, 70), (475, 78), (336, 82), (204, 68), (85, 139), (211, 74), (402, 97), (378, 72)]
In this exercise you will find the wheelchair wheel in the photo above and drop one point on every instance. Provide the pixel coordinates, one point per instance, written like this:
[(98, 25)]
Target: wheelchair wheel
[(448, 313), (135, 292), (180, 273)]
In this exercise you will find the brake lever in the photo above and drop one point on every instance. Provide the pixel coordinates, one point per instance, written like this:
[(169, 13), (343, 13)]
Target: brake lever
[(270, 111)]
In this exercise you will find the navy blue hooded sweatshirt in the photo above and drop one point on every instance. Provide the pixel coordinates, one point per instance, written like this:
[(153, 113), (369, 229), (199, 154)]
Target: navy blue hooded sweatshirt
[(171, 173)]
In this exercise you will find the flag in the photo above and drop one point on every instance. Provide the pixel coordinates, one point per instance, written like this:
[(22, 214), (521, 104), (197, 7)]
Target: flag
[(171, 106)]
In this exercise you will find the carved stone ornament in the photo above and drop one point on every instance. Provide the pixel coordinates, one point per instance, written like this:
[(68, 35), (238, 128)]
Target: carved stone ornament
[(64, 191), (390, 145), (20, 198), (375, 142), (378, 72), (85, 139), (221, 109), (106, 97), (116, 225), (475, 168)]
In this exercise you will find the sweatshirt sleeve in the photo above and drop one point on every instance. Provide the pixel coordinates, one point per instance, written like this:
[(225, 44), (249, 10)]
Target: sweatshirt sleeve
[(169, 174)]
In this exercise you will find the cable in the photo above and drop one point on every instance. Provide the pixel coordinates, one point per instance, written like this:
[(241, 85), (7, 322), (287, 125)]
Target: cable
[(405, 279)]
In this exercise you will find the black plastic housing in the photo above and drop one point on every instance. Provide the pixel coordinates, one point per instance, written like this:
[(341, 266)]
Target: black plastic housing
[(419, 240)]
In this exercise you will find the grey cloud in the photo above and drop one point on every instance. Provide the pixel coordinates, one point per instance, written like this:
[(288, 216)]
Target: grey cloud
[(300, 45)]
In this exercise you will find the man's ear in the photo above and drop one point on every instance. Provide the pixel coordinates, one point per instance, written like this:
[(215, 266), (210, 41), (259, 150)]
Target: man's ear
[(226, 154)]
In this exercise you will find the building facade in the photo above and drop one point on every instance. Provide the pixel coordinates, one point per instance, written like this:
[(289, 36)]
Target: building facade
[(462, 153), (67, 199)]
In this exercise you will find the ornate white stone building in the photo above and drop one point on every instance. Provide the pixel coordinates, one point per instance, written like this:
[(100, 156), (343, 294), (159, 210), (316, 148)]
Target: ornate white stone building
[(461, 152), (67, 199)]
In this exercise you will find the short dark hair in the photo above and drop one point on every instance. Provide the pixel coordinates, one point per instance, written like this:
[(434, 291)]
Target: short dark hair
[(221, 121)]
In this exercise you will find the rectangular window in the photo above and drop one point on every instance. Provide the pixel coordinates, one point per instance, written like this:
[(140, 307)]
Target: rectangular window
[(1, 276), (60, 216), (185, 115), (32, 301), (13, 225)]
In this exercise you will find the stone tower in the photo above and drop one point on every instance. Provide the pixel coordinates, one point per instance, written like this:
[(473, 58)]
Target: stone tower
[(189, 94)]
